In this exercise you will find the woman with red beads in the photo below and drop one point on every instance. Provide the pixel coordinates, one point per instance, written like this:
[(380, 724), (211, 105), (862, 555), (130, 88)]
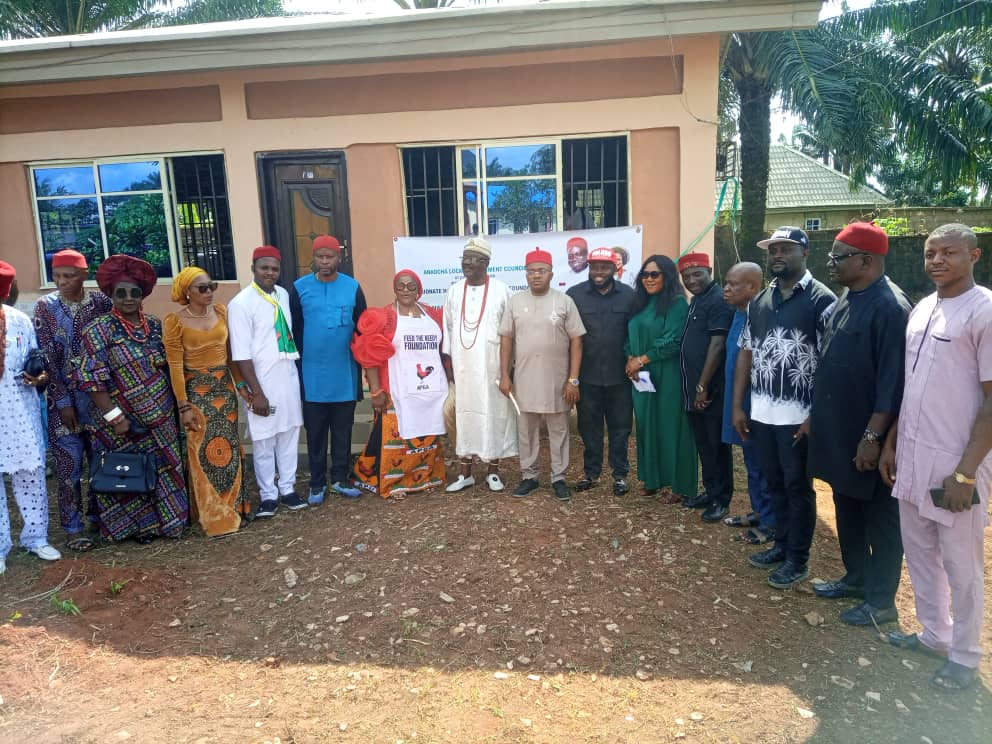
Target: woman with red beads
[(399, 347), (124, 371)]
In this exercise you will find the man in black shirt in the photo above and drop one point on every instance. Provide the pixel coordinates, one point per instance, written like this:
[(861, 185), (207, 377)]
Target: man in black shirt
[(856, 395), (779, 351), (703, 351), (605, 307)]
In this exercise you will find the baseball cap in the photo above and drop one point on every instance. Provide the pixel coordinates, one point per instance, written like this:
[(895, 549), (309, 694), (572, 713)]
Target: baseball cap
[(602, 254), (786, 234)]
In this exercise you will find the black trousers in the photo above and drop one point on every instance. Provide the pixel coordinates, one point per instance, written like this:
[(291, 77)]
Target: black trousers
[(714, 456), (613, 404), (871, 544), (783, 462), (319, 419)]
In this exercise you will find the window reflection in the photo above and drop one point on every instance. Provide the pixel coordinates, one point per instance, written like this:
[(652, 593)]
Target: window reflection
[(520, 160), (523, 206), (70, 223), (136, 226), (130, 176), (64, 181)]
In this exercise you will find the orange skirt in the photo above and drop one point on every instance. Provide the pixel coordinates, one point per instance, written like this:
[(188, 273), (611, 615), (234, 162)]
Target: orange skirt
[(392, 465)]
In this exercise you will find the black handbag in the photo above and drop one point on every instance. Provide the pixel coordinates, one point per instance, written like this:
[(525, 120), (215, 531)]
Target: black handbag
[(123, 472)]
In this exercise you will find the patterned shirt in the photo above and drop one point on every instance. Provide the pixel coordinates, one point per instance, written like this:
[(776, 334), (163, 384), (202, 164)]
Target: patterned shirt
[(782, 335)]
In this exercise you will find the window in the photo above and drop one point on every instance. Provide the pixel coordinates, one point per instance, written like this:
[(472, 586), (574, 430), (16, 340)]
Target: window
[(516, 187), (151, 208), (813, 223)]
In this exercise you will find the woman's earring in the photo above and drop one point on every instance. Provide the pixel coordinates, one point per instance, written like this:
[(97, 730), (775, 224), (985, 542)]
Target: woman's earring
[(187, 298)]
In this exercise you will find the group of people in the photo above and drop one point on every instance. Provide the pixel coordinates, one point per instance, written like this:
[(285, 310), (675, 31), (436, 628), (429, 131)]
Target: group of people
[(852, 390)]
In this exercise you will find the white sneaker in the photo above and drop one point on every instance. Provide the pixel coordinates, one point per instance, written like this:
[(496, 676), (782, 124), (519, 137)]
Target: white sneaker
[(460, 484), (3, 566), (494, 482), (46, 552)]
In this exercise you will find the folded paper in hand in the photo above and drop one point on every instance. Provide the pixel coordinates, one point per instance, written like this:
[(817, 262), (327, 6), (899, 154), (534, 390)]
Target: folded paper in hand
[(643, 382)]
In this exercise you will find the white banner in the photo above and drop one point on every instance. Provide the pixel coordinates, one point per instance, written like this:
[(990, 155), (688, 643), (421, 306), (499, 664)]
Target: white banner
[(438, 260)]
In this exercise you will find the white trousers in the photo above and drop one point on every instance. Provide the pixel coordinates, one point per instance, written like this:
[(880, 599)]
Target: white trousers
[(946, 566), (276, 453), (32, 499)]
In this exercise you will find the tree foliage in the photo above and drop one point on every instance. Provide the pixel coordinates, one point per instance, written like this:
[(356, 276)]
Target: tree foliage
[(24, 19)]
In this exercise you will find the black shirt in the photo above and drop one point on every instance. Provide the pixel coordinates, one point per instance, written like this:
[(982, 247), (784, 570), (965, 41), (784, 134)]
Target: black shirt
[(605, 317), (783, 337), (709, 315), (860, 373)]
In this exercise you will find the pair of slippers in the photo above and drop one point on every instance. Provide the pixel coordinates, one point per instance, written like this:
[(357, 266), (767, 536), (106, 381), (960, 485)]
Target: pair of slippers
[(950, 677), (755, 534)]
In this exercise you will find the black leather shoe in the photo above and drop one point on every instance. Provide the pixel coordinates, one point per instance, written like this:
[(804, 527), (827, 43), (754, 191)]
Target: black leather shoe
[(787, 575), (864, 612), (526, 486), (838, 590), (561, 491), (771, 558), (620, 487), (714, 513), (699, 501), (585, 484)]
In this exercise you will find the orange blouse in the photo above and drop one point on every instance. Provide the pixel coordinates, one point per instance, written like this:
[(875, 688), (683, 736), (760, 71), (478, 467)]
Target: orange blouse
[(191, 348)]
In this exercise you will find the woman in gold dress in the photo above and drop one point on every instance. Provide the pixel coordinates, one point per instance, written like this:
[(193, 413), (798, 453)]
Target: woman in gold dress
[(205, 381)]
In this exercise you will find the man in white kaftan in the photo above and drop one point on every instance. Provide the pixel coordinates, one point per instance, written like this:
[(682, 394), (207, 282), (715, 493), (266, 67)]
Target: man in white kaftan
[(486, 424), (266, 358)]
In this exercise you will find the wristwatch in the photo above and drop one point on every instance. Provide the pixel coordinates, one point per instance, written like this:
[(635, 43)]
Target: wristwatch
[(962, 478), (871, 436), (573, 381), (700, 389)]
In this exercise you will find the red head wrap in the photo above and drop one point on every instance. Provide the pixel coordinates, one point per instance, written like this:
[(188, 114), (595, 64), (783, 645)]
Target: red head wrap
[(538, 256), (266, 251), (577, 242), (694, 261), (7, 275), (412, 275), (865, 236), (123, 268), (326, 241), (69, 258)]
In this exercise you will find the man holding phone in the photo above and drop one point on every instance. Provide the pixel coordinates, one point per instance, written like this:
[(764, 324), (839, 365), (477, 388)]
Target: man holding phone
[(942, 440)]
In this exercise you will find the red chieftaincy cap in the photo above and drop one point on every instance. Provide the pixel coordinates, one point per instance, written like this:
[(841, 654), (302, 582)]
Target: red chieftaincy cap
[(266, 251), (538, 256), (694, 261), (865, 236), (326, 241)]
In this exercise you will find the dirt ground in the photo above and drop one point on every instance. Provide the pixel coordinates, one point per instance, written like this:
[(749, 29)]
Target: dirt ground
[(472, 617)]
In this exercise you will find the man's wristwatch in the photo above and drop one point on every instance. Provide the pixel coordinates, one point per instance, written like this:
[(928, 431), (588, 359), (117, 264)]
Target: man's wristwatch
[(962, 478), (573, 381), (872, 436), (700, 389)]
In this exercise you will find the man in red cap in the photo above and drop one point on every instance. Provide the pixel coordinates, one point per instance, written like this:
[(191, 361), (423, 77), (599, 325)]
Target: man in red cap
[(857, 390), (264, 348), (22, 455), (541, 341), (59, 319), (326, 305), (577, 252), (605, 306), (703, 352)]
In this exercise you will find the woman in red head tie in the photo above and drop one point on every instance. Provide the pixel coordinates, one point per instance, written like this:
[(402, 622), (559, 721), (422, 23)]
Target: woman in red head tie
[(399, 347)]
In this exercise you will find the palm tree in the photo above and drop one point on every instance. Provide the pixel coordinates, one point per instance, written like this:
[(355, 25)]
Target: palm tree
[(23, 19), (865, 83)]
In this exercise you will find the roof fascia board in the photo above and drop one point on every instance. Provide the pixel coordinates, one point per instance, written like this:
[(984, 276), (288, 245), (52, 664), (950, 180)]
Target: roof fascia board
[(481, 30)]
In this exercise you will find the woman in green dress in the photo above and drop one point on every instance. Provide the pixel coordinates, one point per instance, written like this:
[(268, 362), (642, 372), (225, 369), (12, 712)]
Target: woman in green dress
[(666, 451)]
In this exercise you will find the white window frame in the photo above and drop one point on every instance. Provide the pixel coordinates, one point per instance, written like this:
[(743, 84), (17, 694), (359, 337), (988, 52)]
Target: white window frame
[(482, 178), (817, 220), (168, 201)]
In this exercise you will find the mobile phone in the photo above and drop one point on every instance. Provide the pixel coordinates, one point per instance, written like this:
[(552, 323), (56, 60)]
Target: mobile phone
[(937, 496)]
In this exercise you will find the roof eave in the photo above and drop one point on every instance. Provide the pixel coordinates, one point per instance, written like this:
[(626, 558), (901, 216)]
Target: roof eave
[(300, 41)]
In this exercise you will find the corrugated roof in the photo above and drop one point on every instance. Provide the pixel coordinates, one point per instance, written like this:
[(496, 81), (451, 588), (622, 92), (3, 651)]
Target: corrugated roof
[(797, 181)]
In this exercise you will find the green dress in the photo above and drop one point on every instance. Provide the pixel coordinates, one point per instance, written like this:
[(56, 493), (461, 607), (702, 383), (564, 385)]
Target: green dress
[(666, 451)]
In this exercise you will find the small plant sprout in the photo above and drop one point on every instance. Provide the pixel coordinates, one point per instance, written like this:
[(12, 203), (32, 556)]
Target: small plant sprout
[(116, 587), (65, 606)]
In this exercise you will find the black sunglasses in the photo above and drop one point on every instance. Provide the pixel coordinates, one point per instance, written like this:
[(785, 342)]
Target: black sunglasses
[(836, 258), (204, 288), (650, 274), (121, 293)]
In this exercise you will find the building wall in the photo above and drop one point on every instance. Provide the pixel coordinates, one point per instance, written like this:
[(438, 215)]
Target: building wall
[(661, 91)]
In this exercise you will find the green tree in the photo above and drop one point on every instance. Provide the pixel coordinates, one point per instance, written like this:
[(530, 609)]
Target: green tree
[(863, 82), (24, 19)]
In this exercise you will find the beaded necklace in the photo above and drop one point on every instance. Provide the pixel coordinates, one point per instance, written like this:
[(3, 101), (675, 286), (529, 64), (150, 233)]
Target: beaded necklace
[(469, 326), (131, 329)]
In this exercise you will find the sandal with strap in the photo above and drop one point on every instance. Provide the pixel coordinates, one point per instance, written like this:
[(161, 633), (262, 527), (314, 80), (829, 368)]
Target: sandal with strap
[(743, 520), (756, 536), (80, 544), (953, 677)]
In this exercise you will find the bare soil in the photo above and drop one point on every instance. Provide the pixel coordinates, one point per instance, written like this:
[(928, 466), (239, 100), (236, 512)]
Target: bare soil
[(472, 617)]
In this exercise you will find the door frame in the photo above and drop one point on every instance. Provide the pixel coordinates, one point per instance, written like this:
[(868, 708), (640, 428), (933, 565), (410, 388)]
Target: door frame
[(265, 165)]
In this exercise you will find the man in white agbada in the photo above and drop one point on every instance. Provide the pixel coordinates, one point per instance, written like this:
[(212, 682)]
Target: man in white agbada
[(262, 345), (486, 424)]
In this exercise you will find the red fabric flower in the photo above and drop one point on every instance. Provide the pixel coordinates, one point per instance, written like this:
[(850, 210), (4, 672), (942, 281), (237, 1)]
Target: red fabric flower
[(373, 320)]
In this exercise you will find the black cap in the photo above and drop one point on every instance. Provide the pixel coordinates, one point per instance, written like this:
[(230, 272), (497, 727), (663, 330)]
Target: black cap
[(787, 234)]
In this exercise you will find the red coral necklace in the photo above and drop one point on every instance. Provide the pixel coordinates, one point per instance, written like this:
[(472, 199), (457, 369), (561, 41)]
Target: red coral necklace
[(470, 326), (132, 329)]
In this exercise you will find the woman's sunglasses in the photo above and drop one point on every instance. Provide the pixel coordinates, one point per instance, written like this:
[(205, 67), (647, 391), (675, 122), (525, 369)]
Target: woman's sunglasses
[(204, 288), (121, 293), (650, 274)]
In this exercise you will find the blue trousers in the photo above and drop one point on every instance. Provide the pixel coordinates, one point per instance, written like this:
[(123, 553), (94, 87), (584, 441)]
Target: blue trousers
[(757, 488)]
